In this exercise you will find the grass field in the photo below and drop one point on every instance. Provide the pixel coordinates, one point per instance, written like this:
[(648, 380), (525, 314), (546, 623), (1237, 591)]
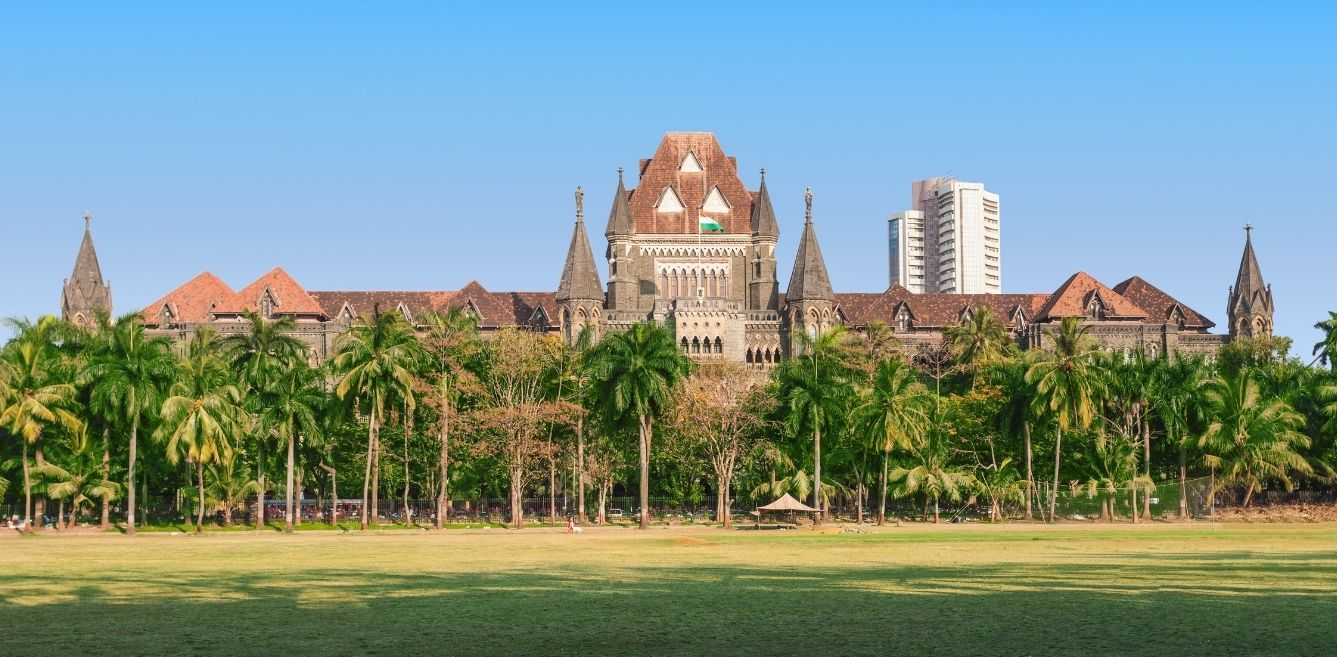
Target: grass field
[(1007, 590)]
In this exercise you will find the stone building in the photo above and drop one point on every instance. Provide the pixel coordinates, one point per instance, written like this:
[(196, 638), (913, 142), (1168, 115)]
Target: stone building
[(719, 289)]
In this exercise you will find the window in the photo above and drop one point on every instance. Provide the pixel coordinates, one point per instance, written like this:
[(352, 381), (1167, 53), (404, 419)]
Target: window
[(690, 164), (715, 202), (669, 201)]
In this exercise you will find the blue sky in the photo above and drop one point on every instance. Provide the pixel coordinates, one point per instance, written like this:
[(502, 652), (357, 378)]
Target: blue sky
[(421, 145)]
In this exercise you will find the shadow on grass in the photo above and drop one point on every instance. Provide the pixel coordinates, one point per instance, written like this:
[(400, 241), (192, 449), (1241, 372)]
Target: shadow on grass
[(1232, 603)]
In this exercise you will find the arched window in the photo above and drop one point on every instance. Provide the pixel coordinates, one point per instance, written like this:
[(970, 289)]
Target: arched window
[(696, 345), (684, 345), (748, 359), (663, 285), (719, 346)]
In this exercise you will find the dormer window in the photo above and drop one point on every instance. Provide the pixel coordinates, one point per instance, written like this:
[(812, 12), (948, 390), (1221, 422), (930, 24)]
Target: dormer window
[(903, 322), (715, 202), (669, 201), (690, 164), (1096, 308)]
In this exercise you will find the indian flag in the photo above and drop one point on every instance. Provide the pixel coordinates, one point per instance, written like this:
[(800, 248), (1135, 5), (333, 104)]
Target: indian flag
[(708, 224)]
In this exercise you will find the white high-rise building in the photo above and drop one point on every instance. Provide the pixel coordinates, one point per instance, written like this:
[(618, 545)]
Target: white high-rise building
[(950, 242)]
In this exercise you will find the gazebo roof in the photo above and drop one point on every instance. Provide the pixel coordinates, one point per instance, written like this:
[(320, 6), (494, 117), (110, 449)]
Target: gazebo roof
[(786, 503)]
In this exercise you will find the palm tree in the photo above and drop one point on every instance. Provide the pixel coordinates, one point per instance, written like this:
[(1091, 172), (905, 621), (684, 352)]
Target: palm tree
[(41, 399), (291, 411), (1250, 439), (1179, 389), (130, 373), (449, 341), (895, 415), (927, 470), (228, 489), (814, 388), (981, 340), (203, 418), (259, 356), (82, 480), (634, 373), (375, 359), (1325, 350), (1110, 465), (1017, 414), (1067, 389), (1001, 484)]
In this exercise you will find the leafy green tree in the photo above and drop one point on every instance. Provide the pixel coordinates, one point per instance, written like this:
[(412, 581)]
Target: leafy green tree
[(259, 356), (895, 415), (814, 390), (1018, 414), (375, 362), (981, 340), (928, 470), (130, 373), (1001, 484), (41, 397), (1068, 390), (203, 418), (635, 372), (450, 341), (1252, 439), (293, 404), (1109, 464)]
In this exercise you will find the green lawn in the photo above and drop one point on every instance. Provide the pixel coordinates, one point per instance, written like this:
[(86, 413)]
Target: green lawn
[(952, 590)]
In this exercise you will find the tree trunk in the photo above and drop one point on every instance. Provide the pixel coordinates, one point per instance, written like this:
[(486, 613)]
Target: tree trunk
[(106, 476), (882, 491), (603, 504), (936, 519), (1030, 476), (1248, 495), (1053, 490), (366, 478), (1146, 465), (27, 488), (728, 501), (199, 517), (517, 501), (580, 468), (406, 514), (376, 478), (130, 479), (1183, 485), (443, 463), (1133, 507), (1105, 509), (260, 481), (552, 489), (60, 515), (817, 471), (292, 449), (227, 515), (646, 429)]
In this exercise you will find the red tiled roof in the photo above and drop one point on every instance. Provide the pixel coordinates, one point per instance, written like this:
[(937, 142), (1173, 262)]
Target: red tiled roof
[(1071, 300), (289, 296), (1159, 305), (933, 310), (495, 309), (191, 302), (661, 172)]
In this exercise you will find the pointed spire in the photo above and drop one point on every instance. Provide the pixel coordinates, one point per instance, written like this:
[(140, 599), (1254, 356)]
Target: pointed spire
[(580, 278), (763, 215), (619, 218), (809, 280), (85, 291), (1249, 280)]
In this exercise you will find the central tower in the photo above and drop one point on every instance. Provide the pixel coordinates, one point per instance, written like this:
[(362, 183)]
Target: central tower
[(690, 245)]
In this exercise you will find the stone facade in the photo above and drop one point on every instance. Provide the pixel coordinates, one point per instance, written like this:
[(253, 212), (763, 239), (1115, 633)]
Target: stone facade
[(719, 289)]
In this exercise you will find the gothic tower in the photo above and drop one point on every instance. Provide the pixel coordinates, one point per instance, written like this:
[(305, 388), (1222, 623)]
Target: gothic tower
[(85, 292), (809, 301), (762, 285), (1250, 307), (623, 282), (580, 296)]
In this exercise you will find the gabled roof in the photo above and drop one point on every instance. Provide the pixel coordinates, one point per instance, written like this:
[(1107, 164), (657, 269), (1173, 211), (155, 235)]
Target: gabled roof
[(494, 309), (663, 171), (935, 310), (192, 302), (809, 279), (290, 298), (580, 277), (1159, 305), (1071, 300)]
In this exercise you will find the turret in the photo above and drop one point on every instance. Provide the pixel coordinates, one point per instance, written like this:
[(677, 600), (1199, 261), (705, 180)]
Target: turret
[(623, 283), (580, 296), (1250, 306), (762, 284), (809, 301), (85, 293)]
